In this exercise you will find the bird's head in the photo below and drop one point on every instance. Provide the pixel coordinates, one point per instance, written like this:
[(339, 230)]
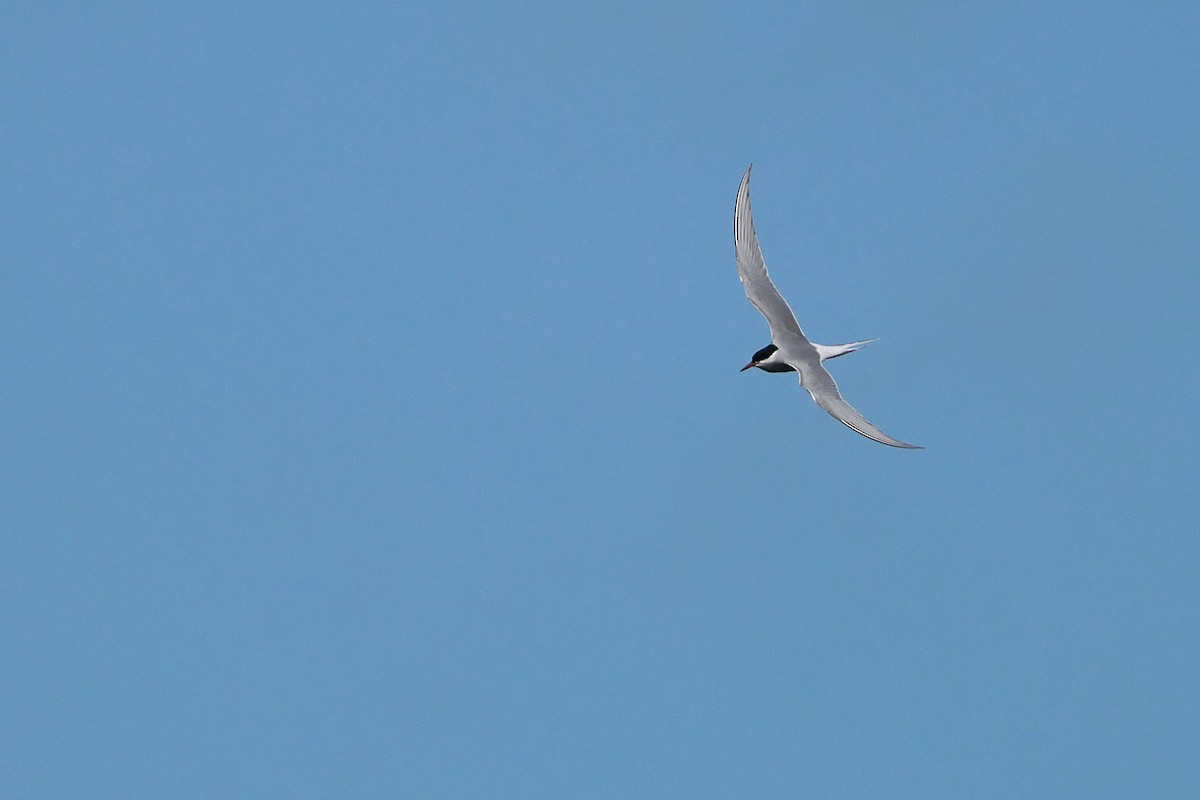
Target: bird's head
[(761, 356)]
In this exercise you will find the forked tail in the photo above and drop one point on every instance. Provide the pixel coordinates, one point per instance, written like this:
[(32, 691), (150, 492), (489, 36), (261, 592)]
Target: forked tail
[(827, 351)]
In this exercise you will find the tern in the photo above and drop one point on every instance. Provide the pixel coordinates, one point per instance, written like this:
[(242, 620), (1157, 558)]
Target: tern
[(790, 350)]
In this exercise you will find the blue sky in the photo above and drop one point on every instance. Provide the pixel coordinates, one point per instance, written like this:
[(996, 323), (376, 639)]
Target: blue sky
[(372, 423)]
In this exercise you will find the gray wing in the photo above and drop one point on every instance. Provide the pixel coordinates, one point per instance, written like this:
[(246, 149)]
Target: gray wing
[(820, 384), (753, 270)]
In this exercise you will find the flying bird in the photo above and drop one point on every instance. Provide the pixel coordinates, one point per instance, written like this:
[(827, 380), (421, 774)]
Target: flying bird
[(790, 350)]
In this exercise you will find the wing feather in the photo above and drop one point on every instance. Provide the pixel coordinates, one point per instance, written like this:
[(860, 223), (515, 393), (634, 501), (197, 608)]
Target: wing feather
[(820, 384), (752, 270)]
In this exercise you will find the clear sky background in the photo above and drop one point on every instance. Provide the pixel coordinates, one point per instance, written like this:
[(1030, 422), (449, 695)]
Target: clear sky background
[(372, 424)]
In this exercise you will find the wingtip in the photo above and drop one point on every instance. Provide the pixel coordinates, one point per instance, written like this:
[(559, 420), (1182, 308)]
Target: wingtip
[(874, 434), (894, 442), (899, 444)]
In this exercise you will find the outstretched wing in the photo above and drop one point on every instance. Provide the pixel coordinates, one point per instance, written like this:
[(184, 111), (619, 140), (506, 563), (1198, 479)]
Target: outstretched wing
[(753, 270), (820, 384)]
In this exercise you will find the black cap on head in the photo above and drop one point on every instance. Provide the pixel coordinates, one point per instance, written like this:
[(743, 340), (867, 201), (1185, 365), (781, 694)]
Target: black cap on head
[(764, 354)]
